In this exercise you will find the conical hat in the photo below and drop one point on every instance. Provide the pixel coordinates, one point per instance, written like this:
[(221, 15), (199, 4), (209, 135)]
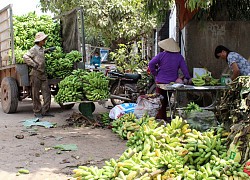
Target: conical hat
[(169, 45)]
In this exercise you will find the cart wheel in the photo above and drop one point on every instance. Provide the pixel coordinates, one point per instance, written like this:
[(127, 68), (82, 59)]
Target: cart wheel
[(9, 95), (68, 106)]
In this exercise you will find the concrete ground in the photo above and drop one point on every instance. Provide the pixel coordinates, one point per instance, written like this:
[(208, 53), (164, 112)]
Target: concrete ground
[(35, 152)]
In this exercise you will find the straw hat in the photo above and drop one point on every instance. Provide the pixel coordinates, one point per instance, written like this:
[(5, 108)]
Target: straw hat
[(40, 36), (169, 45)]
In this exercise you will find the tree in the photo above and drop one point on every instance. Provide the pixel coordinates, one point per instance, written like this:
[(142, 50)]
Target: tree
[(230, 10), (109, 22)]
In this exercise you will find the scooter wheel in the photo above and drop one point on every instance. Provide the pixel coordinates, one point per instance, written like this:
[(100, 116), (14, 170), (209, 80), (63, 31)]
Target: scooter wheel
[(116, 91)]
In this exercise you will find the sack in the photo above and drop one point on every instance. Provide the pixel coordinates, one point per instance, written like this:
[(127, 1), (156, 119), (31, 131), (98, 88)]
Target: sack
[(148, 104), (201, 121), (233, 150), (121, 109)]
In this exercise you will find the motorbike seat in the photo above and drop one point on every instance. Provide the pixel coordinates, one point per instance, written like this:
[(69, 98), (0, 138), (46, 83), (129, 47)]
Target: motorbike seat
[(132, 76), (116, 74)]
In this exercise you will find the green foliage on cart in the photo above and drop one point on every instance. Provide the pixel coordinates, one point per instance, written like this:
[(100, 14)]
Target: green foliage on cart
[(58, 63), (25, 28), (82, 85), (173, 151)]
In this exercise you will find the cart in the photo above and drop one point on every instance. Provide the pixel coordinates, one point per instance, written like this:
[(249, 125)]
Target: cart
[(14, 78)]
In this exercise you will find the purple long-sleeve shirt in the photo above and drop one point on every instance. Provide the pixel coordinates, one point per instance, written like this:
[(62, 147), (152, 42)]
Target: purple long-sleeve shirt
[(169, 64)]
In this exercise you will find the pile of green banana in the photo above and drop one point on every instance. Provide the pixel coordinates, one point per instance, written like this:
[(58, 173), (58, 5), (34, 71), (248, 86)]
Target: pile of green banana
[(166, 152), (70, 90), (152, 136), (25, 28), (192, 107), (74, 56), (205, 80), (82, 85), (126, 125), (59, 64), (105, 119), (95, 86)]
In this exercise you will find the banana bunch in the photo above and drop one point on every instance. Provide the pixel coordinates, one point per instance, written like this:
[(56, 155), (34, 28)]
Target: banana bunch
[(95, 86), (205, 79), (18, 55), (54, 64), (153, 136), (24, 32), (92, 172), (177, 127), (59, 64), (105, 119), (81, 85), (74, 56), (79, 73), (131, 165), (169, 152), (96, 94), (69, 90), (125, 126), (202, 147), (192, 107)]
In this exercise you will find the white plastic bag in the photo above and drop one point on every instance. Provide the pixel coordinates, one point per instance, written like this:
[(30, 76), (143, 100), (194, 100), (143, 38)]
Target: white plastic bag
[(148, 104), (121, 109)]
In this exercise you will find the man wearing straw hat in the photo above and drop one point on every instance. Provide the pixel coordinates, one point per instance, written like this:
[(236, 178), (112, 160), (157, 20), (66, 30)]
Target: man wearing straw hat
[(35, 59), (168, 64)]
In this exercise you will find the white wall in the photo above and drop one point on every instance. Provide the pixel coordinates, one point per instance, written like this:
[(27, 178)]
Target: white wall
[(172, 23), (173, 29)]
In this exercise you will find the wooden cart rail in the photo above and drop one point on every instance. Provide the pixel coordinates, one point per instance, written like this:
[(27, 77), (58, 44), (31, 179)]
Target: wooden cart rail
[(6, 37)]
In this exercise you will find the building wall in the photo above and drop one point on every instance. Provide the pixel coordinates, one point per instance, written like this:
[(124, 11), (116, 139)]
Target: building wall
[(201, 38)]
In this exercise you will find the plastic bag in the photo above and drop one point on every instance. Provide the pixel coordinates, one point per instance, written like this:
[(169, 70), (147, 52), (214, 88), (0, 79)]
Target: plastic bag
[(148, 104), (121, 109), (247, 168)]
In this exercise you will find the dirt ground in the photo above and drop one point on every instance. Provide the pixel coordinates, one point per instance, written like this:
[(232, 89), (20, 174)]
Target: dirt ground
[(35, 150)]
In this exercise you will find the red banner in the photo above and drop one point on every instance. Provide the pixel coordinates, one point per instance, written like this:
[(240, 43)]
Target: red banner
[(185, 15)]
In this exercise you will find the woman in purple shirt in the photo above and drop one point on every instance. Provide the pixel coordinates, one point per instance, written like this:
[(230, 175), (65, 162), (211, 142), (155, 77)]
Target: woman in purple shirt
[(165, 67)]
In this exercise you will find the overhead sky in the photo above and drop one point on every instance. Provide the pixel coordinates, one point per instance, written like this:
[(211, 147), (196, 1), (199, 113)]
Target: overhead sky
[(21, 7)]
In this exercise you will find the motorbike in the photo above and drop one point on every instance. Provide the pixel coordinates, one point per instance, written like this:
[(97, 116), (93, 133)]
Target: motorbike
[(126, 87)]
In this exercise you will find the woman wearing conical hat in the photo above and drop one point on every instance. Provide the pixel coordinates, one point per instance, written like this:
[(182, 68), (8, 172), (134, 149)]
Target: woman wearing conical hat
[(168, 64)]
